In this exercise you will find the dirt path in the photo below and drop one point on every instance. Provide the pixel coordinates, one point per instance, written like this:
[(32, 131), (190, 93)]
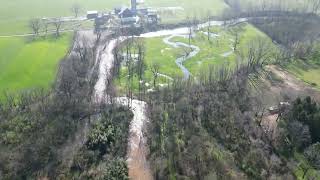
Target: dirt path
[(292, 84), (288, 89)]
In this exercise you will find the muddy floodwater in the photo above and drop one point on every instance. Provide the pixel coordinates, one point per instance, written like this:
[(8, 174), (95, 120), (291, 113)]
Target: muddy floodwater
[(138, 165)]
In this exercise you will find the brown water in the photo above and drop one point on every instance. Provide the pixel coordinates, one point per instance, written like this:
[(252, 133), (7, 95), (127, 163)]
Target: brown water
[(139, 168), (138, 165)]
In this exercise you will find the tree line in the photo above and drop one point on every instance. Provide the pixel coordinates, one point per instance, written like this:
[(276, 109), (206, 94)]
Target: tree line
[(43, 133)]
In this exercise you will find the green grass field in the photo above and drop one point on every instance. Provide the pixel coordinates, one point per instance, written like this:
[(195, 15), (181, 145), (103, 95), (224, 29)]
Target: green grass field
[(156, 52), (34, 64), (307, 72), (26, 65), (211, 53), (273, 4), (15, 14)]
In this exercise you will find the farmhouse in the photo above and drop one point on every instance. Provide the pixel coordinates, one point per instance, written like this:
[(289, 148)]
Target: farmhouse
[(126, 13), (92, 14), (127, 17)]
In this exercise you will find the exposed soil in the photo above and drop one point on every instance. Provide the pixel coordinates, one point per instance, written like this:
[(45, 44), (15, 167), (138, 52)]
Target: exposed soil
[(288, 89), (291, 83)]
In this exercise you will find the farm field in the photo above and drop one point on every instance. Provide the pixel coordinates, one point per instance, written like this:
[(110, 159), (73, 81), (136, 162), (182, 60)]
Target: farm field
[(15, 52), (273, 4), (25, 65), (218, 52), (15, 14)]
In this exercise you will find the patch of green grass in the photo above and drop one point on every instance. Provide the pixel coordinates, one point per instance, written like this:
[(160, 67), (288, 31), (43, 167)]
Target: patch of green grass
[(302, 162), (15, 14), (307, 72), (22, 64), (211, 52), (273, 4), (160, 53), (199, 9), (33, 64), (157, 52)]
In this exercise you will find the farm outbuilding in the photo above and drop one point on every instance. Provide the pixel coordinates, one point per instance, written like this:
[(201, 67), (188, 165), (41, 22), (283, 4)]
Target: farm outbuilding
[(92, 14), (125, 13)]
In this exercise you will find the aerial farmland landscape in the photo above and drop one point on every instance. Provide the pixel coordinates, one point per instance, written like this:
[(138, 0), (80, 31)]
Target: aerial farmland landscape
[(160, 89)]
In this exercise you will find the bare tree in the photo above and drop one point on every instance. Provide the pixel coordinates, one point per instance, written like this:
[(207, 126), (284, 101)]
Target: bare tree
[(304, 168), (35, 25), (236, 31), (82, 48), (129, 45), (155, 72), (98, 36), (236, 40), (258, 53), (76, 9), (190, 31), (45, 27), (57, 22), (209, 24), (140, 63), (315, 5), (263, 4)]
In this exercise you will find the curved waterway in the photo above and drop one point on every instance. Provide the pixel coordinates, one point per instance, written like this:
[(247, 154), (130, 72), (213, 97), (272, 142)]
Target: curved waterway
[(139, 168), (184, 32), (180, 60)]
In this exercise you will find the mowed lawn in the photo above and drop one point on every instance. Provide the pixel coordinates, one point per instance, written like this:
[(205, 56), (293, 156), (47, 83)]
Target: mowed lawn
[(25, 65)]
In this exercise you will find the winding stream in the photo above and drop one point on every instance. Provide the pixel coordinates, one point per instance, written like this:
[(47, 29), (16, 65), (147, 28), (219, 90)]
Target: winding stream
[(180, 60), (137, 151)]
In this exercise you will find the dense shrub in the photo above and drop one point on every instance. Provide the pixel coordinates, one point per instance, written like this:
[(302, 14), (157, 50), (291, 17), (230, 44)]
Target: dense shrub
[(307, 112)]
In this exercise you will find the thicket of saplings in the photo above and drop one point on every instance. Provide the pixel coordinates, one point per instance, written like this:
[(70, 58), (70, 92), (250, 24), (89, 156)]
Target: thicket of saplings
[(103, 156), (296, 29), (35, 127), (297, 34), (208, 130), (299, 131)]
